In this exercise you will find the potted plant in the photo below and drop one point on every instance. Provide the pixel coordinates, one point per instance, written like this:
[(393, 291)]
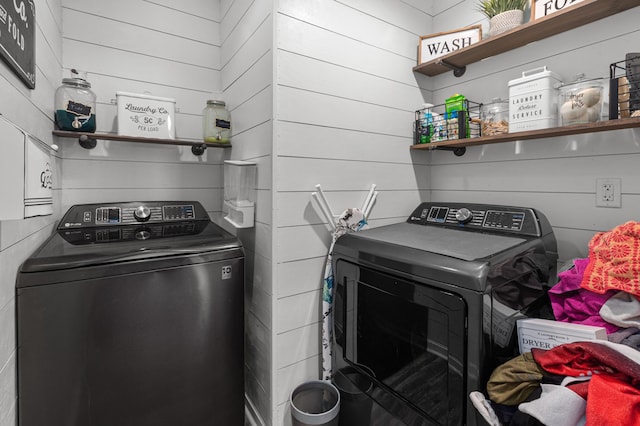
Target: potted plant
[(503, 14)]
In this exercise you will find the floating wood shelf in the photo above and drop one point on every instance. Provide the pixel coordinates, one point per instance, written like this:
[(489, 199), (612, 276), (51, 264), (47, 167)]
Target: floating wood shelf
[(575, 16), (601, 126), (88, 140)]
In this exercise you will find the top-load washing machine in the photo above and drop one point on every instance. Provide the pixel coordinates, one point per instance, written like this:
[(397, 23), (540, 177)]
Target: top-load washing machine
[(131, 314), (425, 310)]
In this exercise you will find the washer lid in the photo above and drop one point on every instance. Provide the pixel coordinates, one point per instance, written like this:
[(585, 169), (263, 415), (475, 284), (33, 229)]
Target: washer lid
[(450, 242), (84, 247)]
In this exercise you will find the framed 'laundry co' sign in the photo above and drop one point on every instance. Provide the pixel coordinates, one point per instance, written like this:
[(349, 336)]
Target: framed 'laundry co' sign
[(17, 38)]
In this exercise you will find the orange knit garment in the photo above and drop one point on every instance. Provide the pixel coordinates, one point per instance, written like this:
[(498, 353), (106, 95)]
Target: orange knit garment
[(614, 260)]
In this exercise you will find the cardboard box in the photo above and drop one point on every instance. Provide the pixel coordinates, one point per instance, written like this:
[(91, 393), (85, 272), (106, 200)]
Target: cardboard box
[(146, 116), (547, 334), (533, 100)]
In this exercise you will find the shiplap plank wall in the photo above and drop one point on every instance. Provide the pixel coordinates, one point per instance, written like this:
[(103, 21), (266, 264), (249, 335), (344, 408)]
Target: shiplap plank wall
[(246, 33), (345, 97), (31, 111), (342, 70), (144, 47), (159, 50), (555, 175)]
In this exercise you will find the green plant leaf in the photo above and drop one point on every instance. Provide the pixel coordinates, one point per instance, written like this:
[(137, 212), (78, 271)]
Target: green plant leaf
[(491, 8)]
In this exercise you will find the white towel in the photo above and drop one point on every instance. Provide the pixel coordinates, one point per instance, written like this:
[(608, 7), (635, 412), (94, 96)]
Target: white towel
[(484, 408), (557, 406), (622, 309)]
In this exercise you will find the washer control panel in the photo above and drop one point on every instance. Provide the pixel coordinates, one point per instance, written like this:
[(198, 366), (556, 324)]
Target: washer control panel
[(519, 220), (129, 213)]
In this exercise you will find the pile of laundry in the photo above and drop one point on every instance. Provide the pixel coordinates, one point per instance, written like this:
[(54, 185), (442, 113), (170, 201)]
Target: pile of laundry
[(603, 289), (580, 383)]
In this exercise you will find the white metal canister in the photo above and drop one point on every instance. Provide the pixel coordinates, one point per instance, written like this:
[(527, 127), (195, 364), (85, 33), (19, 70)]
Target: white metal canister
[(533, 100), (216, 122), (147, 116)]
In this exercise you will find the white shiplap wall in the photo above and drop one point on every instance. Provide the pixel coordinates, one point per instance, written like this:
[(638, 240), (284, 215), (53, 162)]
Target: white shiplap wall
[(555, 175), (344, 102), (320, 92), (152, 47), (31, 111), (246, 33)]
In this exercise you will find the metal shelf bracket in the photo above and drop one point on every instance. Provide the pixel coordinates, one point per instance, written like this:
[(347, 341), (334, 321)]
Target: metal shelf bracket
[(198, 149), (457, 71), (458, 151), (87, 142)]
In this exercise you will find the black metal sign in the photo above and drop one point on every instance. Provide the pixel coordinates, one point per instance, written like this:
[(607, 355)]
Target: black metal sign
[(17, 38)]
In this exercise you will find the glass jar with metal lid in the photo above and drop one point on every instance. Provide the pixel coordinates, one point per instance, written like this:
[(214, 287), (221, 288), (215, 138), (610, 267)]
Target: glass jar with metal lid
[(75, 105), (216, 122), (495, 117), (582, 101)]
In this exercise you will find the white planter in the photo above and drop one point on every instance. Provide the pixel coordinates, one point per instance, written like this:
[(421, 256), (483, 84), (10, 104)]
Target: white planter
[(505, 21)]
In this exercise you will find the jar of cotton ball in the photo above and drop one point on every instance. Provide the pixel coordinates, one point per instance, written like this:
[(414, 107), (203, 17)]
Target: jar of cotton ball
[(582, 101)]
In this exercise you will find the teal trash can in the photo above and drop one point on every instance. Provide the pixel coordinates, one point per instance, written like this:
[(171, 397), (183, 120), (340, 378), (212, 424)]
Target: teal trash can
[(315, 403)]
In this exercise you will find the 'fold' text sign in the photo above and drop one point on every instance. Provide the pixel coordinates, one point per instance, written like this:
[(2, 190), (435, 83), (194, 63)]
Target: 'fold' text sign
[(547, 7), (435, 45)]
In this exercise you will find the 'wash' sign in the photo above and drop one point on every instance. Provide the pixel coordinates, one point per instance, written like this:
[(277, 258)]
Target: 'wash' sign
[(435, 45)]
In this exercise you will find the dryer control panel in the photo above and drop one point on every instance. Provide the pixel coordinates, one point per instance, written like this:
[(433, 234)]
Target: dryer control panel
[(131, 213), (480, 217)]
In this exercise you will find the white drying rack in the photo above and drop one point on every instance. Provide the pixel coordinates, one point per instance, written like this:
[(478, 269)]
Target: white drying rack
[(326, 208)]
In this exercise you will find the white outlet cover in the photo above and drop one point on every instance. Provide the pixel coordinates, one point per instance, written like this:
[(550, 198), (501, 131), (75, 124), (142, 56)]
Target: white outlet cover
[(616, 183)]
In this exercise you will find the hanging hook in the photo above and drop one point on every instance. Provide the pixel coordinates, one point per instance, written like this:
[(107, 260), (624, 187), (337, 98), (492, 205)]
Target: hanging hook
[(326, 210)]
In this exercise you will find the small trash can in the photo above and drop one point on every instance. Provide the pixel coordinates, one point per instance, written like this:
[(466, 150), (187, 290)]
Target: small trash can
[(315, 403), (355, 404)]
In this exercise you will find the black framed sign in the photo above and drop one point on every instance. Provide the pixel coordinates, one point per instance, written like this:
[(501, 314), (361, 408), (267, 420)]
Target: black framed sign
[(17, 38)]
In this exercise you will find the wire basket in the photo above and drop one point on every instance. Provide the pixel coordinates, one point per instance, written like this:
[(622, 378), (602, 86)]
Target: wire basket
[(624, 87), (439, 123)]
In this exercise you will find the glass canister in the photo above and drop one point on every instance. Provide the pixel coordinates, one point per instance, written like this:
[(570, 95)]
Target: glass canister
[(216, 122), (75, 105), (494, 117), (581, 101)]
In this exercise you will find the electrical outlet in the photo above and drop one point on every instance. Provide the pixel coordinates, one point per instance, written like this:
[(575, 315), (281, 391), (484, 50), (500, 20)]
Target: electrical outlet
[(608, 192)]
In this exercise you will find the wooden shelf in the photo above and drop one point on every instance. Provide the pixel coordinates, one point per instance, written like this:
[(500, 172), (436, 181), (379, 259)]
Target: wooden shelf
[(88, 140), (601, 126), (572, 17)]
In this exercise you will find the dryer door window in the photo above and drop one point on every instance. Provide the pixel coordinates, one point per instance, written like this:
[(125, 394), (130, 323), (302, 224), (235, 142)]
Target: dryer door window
[(412, 337)]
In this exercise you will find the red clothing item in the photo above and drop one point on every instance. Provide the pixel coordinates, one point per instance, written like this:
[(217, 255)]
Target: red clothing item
[(613, 393), (612, 403), (585, 359)]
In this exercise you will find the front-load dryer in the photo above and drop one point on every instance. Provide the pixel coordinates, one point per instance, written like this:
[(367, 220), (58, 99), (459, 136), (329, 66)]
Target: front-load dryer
[(425, 310)]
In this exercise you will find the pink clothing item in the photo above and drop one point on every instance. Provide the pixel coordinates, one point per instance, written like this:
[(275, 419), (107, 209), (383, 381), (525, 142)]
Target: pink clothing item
[(574, 304)]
